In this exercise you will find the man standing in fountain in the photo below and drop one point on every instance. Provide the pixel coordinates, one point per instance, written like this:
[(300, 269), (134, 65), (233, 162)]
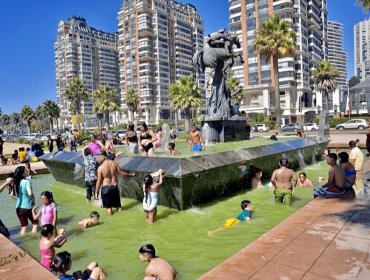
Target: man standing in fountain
[(284, 181), (196, 140), (108, 183)]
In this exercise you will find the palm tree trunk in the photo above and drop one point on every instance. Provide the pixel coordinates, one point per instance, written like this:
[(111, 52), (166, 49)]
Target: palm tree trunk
[(277, 93), (29, 127), (51, 125), (187, 119), (107, 119)]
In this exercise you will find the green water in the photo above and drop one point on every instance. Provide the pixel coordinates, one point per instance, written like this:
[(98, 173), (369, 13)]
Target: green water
[(180, 237)]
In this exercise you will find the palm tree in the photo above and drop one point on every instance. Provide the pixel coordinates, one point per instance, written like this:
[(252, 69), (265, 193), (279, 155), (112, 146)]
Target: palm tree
[(106, 100), (184, 95), (325, 77), (236, 90), (28, 115), (40, 116), (275, 40), (52, 111), (365, 4), (132, 100), (16, 118), (76, 93), (5, 120)]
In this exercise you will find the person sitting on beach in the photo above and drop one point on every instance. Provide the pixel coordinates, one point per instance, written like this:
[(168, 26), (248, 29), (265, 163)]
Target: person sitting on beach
[(90, 172), (89, 222), (196, 142), (303, 181), (48, 211), (31, 155), (349, 169), (22, 155), (147, 138), (30, 170), (171, 148), (157, 268), (62, 263), (49, 241), (150, 189), (336, 181), (108, 183), (283, 180)]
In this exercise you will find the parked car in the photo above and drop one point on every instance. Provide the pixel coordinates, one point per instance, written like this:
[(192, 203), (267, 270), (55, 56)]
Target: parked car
[(261, 127), (291, 127), (41, 137), (353, 124), (253, 128), (122, 133), (310, 127)]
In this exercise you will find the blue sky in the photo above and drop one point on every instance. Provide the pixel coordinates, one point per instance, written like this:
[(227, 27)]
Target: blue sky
[(28, 32)]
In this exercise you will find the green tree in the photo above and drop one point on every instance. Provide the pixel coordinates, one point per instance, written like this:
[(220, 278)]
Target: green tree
[(76, 93), (106, 100), (5, 120), (365, 4), (235, 89), (132, 100), (40, 117), (52, 111), (16, 119), (275, 40), (185, 95), (28, 115)]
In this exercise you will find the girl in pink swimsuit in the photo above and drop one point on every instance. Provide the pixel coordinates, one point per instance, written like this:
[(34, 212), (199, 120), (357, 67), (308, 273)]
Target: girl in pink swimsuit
[(95, 145), (47, 212), (48, 242)]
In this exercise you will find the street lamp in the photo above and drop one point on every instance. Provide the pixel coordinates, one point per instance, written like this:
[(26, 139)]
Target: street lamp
[(318, 109)]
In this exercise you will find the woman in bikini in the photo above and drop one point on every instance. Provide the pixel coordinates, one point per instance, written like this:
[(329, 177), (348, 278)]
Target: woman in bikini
[(147, 138)]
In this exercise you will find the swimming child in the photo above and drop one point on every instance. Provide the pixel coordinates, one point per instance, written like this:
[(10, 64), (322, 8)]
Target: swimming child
[(30, 170), (303, 181), (47, 212), (150, 189), (49, 241), (157, 268), (89, 222), (171, 148), (244, 216)]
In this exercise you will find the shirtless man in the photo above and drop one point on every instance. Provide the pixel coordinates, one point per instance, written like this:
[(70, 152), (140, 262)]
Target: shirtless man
[(107, 181), (195, 140), (158, 268), (335, 187), (284, 181)]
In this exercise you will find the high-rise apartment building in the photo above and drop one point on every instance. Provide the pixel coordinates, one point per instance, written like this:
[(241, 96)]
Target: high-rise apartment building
[(336, 54), (88, 53), (297, 88), (362, 49), (157, 39)]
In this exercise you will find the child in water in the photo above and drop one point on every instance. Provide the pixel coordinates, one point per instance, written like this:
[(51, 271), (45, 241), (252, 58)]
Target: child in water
[(30, 171), (49, 241), (244, 216), (47, 212), (89, 222)]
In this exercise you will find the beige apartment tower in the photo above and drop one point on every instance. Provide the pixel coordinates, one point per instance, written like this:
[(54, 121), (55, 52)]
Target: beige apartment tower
[(299, 97), (157, 39), (88, 53)]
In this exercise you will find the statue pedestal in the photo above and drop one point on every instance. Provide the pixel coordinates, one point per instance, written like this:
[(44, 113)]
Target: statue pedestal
[(224, 130)]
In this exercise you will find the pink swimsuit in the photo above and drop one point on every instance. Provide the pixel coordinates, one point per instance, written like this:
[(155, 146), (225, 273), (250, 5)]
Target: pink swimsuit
[(47, 213), (46, 256), (95, 148)]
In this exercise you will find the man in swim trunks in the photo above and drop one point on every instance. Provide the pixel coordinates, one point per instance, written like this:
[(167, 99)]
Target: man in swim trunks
[(196, 140), (284, 181), (335, 187), (108, 183)]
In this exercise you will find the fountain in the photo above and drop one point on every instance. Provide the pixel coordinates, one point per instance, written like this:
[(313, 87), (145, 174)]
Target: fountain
[(194, 180)]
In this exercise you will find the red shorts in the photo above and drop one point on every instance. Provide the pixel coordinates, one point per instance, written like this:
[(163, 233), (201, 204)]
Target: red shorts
[(24, 215)]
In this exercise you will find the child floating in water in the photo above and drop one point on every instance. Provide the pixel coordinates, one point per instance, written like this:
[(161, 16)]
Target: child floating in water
[(89, 222), (244, 216), (171, 148)]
